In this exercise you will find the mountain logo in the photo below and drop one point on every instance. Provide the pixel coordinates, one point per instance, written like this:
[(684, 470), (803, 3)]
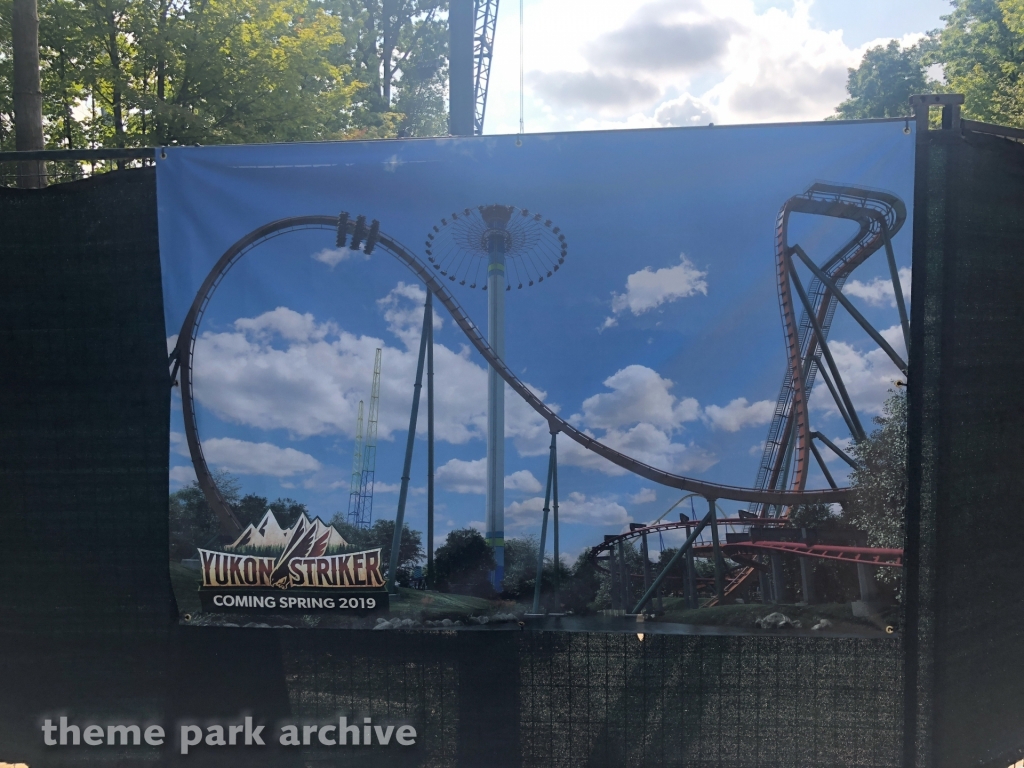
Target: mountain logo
[(301, 560)]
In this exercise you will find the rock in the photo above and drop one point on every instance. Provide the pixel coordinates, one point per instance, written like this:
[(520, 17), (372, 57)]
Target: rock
[(383, 625), (776, 620), (483, 620), (457, 624), (446, 622), (381, 620), (822, 624)]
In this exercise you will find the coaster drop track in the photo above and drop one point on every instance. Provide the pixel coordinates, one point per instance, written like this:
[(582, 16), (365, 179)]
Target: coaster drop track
[(807, 316)]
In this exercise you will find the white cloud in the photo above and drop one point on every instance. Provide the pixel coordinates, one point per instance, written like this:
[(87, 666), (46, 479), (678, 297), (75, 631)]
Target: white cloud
[(286, 370), (576, 508), (683, 111), (638, 418), (879, 291), (643, 496), (639, 394), (643, 442), (461, 476), (739, 414), (180, 476), (647, 289), (740, 62), (522, 480), (245, 458), (332, 257)]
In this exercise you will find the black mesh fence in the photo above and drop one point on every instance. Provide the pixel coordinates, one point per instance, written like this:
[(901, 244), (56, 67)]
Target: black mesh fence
[(87, 623)]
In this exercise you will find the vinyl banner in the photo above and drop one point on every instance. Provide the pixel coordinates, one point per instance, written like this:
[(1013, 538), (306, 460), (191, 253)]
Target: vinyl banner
[(644, 381)]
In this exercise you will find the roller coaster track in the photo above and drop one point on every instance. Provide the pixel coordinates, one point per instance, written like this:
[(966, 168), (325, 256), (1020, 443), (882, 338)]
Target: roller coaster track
[(182, 358), (788, 446)]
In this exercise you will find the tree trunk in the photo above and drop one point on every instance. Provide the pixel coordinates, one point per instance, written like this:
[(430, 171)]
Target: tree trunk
[(28, 97), (389, 49)]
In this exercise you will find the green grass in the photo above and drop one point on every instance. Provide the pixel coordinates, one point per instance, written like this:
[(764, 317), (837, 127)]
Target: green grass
[(421, 604)]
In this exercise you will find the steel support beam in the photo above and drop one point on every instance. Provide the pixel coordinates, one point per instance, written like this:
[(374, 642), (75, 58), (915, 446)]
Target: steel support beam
[(430, 438), (854, 312), (675, 559), (823, 344), (835, 397), (544, 528), (719, 561), (624, 582), (836, 449), (554, 515), (821, 465), (866, 582), (779, 590), (894, 272), (692, 600), (403, 493)]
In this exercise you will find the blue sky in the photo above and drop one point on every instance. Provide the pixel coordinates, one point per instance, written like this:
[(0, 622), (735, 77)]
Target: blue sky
[(605, 64), (661, 334)]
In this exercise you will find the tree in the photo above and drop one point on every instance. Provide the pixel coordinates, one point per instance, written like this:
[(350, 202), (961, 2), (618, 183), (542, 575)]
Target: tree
[(191, 520), (381, 534), (400, 55), (981, 50), (884, 82), (251, 508), (880, 483), (145, 72), (463, 564)]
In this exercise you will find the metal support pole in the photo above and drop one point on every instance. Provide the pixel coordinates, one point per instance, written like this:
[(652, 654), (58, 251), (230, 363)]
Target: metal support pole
[(554, 513), (821, 465), (647, 561), (816, 327), (403, 493), (461, 107), (613, 574), (779, 590), (835, 449), (430, 438), (544, 531), (717, 554), (624, 581), (901, 304), (690, 584), (671, 563), (854, 312), (866, 582), (766, 585), (807, 573), (835, 397)]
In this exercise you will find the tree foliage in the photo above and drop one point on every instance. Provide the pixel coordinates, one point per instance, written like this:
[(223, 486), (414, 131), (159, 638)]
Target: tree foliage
[(880, 483), (463, 564), (981, 54), (192, 522), (381, 534), (981, 49), (152, 72), (884, 82)]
